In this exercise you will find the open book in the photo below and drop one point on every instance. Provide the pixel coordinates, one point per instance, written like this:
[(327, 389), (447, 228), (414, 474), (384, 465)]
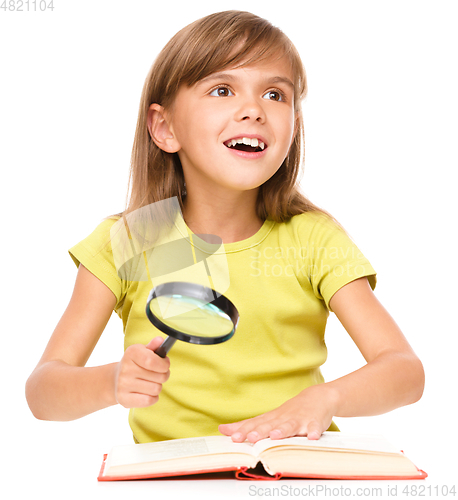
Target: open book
[(335, 455)]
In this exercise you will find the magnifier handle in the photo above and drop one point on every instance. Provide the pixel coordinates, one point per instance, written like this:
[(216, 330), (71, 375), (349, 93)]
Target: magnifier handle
[(164, 348)]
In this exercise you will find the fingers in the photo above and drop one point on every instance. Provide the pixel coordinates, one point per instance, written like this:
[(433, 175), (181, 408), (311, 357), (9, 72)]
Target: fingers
[(140, 375), (314, 430), (307, 414), (286, 429), (261, 427), (258, 429), (145, 357), (138, 395), (252, 429), (230, 429), (226, 429)]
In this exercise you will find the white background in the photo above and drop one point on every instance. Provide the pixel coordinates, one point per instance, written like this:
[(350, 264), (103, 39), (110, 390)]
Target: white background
[(381, 133)]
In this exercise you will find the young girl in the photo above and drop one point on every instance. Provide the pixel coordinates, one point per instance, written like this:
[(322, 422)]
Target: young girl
[(220, 129)]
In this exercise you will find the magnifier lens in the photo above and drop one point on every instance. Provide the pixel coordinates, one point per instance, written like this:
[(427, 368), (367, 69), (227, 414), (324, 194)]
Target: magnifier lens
[(191, 316), (192, 313)]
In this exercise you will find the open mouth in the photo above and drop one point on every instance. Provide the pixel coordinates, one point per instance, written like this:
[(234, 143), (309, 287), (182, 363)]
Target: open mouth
[(246, 144)]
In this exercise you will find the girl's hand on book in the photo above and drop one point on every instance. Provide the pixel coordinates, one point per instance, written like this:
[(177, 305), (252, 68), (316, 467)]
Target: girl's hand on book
[(307, 414), (140, 374)]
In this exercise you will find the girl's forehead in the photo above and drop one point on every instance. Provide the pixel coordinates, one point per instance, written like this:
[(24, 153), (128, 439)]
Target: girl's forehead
[(277, 66)]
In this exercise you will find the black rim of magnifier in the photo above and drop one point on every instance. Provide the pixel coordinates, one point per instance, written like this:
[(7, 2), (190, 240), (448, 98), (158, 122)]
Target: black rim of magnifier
[(197, 292)]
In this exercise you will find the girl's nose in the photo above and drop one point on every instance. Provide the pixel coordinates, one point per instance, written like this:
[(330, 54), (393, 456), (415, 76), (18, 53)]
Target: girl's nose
[(251, 109)]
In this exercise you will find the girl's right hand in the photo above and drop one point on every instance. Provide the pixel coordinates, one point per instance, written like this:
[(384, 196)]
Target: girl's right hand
[(140, 374)]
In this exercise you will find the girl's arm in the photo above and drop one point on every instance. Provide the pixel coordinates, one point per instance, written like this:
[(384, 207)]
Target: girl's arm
[(392, 377), (61, 388)]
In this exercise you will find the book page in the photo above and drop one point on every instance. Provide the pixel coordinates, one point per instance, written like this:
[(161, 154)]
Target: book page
[(333, 440), (175, 448)]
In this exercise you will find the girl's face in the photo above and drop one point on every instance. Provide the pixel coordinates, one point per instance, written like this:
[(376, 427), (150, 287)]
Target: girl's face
[(234, 128)]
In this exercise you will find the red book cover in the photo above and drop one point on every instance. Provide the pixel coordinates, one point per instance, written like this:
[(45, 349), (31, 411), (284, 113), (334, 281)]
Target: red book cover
[(246, 474)]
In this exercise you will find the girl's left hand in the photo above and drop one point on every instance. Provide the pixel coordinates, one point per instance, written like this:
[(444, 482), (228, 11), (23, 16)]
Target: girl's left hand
[(307, 414)]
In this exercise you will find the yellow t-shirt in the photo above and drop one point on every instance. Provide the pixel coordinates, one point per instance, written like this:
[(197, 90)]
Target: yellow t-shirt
[(281, 280)]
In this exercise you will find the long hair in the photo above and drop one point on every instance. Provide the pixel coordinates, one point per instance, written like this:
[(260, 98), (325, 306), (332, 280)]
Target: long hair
[(222, 40)]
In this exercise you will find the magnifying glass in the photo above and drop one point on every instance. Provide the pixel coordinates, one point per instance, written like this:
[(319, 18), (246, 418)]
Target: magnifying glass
[(192, 313)]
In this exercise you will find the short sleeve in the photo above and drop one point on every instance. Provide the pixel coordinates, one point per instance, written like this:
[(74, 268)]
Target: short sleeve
[(335, 260), (96, 255)]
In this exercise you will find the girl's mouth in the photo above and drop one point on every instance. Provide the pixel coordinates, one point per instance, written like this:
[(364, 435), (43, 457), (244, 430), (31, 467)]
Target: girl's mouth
[(246, 144)]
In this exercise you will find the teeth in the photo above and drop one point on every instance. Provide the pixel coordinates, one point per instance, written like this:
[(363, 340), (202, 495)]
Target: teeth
[(254, 143)]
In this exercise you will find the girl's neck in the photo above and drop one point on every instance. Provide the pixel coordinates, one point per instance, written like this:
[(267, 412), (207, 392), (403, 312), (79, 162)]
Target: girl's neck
[(230, 219)]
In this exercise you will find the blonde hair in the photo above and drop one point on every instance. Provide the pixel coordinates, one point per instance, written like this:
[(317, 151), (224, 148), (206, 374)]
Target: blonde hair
[(222, 40)]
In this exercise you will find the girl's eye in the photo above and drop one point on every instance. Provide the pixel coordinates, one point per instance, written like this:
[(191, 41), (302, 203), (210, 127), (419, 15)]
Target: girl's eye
[(274, 95), (221, 92)]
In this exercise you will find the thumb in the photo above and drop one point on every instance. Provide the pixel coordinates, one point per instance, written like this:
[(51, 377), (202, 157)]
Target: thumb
[(155, 343)]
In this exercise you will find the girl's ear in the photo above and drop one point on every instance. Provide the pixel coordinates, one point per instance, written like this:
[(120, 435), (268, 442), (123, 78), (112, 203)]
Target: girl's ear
[(160, 130)]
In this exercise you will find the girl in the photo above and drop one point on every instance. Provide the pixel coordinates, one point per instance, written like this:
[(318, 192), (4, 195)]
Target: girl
[(220, 129)]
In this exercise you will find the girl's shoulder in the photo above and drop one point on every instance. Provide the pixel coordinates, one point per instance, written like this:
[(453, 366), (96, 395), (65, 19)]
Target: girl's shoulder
[(312, 224), (101, 230), (100, 236), (95, 253)]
